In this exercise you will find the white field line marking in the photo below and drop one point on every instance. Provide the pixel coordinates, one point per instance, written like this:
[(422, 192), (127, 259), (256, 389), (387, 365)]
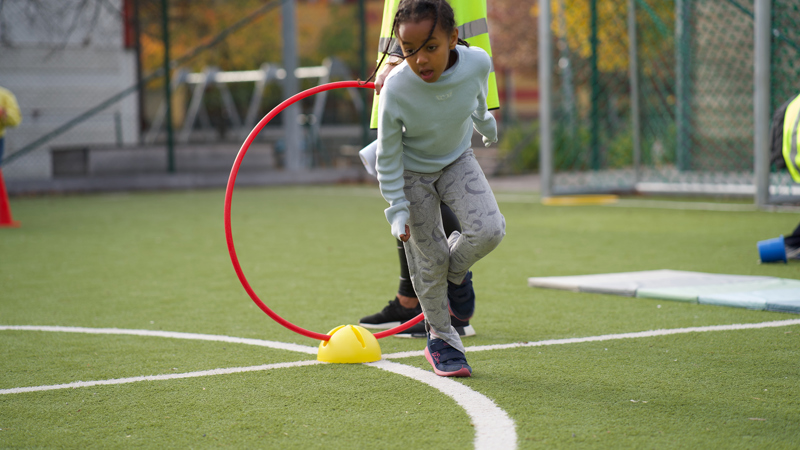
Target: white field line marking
[(171, 376), (168, 334), (611, 337), (493, 427), (491, 423)]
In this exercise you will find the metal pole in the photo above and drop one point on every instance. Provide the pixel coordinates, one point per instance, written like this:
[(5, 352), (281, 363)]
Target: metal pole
[(362, 17), (683, 108), (137, 22), (633, 68), (291, 128), (761, 101), (567, 85), (168, 88), (595, 81), (545, 99)]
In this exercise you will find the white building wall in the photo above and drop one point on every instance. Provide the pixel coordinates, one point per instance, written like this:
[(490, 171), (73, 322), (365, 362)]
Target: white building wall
[(60, 60)]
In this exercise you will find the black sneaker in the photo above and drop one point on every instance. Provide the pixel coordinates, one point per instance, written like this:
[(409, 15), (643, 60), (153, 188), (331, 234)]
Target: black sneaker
[(463, 328), (391, 316)]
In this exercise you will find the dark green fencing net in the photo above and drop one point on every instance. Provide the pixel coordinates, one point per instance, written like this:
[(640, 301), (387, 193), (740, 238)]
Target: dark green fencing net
[(658, 95)]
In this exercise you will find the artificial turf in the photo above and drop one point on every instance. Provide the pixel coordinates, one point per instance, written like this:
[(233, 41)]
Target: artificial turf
[(322, 257)]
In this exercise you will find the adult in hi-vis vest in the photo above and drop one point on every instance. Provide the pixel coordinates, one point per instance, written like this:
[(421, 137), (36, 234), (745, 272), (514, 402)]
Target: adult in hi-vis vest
[(785, 136), (473, 28)]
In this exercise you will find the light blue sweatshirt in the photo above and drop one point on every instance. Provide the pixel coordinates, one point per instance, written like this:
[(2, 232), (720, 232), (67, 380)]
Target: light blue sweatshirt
[(423, 127)]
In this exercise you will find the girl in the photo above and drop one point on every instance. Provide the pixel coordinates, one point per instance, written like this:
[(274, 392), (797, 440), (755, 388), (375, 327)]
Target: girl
[(472, 27), (425, 119)]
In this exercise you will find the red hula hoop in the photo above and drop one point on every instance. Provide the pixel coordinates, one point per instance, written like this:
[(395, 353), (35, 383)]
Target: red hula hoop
[(229, 197)]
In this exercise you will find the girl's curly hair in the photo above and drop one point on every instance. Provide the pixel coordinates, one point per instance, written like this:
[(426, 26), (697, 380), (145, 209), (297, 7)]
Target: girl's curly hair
[(415, 11)]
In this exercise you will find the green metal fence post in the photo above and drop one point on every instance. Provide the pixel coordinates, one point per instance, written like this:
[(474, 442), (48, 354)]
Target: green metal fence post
[(633, 73), (683, 84), (595, 82), (295, 159), (168, 88), (545, 99)]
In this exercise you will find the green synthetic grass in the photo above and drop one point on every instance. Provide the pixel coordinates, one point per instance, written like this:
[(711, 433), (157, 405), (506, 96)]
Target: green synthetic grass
[(323, 257)]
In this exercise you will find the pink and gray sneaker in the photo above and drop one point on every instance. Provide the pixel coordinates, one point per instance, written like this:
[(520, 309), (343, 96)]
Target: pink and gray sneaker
[(446, 360)]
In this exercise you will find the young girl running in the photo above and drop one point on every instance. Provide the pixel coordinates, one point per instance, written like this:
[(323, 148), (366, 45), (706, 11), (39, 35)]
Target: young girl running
[(426, 115)]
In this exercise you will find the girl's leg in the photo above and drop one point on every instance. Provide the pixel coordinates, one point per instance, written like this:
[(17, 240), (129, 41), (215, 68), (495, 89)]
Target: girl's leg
[(464, 188), (405, 306), (429, 255), (450, 224)]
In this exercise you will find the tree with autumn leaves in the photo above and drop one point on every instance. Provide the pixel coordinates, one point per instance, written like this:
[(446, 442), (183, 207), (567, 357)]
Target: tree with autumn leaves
[(324, 29), (513, 31)]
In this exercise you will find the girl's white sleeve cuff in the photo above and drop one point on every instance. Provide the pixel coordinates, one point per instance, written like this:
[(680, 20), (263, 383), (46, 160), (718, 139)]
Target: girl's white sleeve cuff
[(397, 216)]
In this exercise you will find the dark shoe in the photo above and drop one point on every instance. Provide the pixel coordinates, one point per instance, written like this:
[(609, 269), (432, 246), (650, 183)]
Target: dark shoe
[(391, 316), (464, 329), (461, 298), (446, 360)]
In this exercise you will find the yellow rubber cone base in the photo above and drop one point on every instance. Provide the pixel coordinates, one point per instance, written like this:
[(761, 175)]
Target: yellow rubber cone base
[(349, 344)]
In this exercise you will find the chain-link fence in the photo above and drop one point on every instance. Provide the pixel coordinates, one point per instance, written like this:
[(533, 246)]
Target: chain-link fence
[(785, 70), (89, 78), (658, 96)]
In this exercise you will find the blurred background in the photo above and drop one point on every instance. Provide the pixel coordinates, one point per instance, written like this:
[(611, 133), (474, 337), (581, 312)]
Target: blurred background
[(642, 96)]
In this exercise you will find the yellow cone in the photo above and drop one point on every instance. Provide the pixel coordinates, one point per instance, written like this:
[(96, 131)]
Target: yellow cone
[(349, 344)]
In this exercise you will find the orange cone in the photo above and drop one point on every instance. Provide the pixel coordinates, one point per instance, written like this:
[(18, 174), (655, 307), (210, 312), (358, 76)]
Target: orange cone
[(6, 221)]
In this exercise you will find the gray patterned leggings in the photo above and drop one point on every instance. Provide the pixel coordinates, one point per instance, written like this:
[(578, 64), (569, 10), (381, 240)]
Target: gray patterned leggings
[(432, 260)]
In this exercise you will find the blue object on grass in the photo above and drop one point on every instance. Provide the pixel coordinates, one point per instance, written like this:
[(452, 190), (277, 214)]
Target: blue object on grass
[(772, 250)]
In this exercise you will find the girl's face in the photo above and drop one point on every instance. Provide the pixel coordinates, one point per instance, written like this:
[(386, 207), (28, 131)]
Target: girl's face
[(434, 57)]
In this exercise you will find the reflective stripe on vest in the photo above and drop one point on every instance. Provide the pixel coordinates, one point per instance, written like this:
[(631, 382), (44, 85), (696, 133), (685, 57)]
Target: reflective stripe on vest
[(466, 31), (791, 122), (474, 29)]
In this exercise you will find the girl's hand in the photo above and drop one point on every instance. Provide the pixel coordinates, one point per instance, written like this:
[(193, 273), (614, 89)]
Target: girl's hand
[(387, 69), (404, 237), (381, 78)]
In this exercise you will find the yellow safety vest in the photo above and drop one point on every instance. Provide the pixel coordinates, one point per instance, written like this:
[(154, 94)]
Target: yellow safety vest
[(472, 27), (791, 138)]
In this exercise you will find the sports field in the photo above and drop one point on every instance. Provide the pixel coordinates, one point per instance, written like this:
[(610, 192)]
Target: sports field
[(123, 324)]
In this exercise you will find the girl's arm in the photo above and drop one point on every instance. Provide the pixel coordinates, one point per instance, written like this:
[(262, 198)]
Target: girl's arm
[(482, 119), (390, 166)]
